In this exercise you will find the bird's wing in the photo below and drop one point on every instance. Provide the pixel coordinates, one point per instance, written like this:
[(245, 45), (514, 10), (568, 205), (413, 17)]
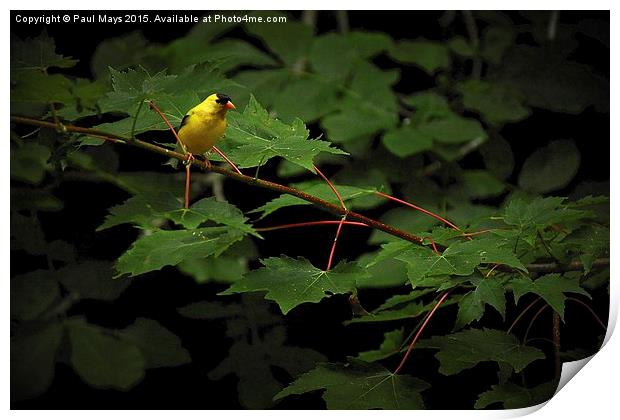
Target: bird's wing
[(183, 121)]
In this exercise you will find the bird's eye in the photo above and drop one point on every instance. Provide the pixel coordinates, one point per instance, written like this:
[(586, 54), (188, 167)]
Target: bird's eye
[(222, 99)]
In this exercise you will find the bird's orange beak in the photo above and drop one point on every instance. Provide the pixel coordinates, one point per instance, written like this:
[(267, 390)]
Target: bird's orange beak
[(230, 105)]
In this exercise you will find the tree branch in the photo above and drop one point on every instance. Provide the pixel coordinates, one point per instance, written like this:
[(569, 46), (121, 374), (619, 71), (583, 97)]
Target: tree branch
[(325, 205), (554, 267)]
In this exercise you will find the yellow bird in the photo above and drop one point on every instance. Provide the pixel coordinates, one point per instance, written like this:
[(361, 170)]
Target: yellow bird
[(204, 124)]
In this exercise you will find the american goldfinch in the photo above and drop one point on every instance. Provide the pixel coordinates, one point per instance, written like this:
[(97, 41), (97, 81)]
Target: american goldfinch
[(204, 124)]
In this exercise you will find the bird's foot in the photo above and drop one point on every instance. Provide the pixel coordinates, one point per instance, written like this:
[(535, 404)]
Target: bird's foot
[(189, 159)]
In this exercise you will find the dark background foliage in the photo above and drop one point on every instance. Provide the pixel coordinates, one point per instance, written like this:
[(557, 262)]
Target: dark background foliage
[(157, 295)]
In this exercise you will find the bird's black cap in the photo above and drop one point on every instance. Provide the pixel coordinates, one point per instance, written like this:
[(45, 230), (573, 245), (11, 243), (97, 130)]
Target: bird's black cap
[(222, 99)]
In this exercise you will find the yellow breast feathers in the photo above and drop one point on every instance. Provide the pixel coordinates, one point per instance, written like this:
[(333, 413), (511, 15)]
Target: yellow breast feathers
[(204, 124)]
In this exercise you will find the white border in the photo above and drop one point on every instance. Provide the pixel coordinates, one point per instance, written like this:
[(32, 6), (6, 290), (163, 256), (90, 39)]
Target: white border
[(593, 393)]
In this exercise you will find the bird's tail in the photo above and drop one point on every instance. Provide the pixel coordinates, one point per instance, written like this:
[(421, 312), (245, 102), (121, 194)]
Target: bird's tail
[(172, 161)]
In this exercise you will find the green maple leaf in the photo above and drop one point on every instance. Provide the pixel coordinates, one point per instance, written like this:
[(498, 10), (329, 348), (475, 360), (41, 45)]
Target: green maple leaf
[(390, 250), (334, 56), (428, 105), (453, 130), (368, 105), (102, 360), (465, 349), (257, 138), (359, 386), (550, 168), (460, 258), (309, 99), (317, 189), (428, 55), (440, 235), (133, 86), (460, 46), (265, 84), (144, 209), (174, 95), (551, 287), (229, 54), (383, 274), (32, 92), (220, 269), (227, 267), (160, 347), (290, 282), (33, 358), (471, 308), (590, 243), (38, 54), (481, 184), (496, 103), (397, 307), (290, 42), (514, 396), (259, 346), (433, 126), (252, 362), (538, 214), (495, 41), (32, 293), (170, 247), (423, 262), (91, 279), (390, 346), (406, 141), (489, 290), (491, 251)]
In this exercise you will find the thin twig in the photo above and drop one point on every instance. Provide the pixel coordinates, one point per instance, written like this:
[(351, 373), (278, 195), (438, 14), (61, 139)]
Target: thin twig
[(331, 186), (135, 120), (343, 21), (534, 318), (546, 246), (433, 244), (413, 331), (308, 17), (230, 162), (163, 117), (553, 267), (478, 233), (415, 339), (585, 305), (521, 314), (55, 116), (187, 184), (555, 333), (344, 216), (260, 162), (331, 252), (314, 223), (492, 270), (420, 209), (472, 32), (553, 25)]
